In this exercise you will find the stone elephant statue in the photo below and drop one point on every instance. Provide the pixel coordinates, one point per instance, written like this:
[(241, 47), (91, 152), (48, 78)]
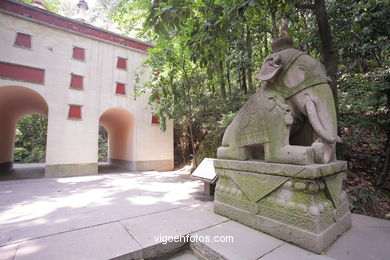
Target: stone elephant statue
[(277, 124)]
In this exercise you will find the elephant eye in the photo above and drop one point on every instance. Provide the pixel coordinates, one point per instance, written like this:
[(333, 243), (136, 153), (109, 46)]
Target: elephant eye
[(302, 68)]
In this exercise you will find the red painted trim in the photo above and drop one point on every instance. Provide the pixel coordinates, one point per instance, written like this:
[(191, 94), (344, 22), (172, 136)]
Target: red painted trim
[(22, 73), (23, 40), (76, 81), (69, 24), (74, 112), (155, 120), (120, 89)]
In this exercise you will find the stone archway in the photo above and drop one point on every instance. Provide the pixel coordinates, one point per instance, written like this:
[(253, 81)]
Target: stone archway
[(15, 103), (119, 124)]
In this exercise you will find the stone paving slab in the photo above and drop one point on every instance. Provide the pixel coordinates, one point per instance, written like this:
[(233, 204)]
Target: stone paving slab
[(368, 239), (8, 252), (99, 242), (291, 252), (148, 230), (247, 243)]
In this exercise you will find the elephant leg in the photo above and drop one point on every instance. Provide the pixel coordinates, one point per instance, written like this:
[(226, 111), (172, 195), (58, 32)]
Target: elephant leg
[(233, 153), (290, 154), (324, 152), (278, 149), (230, 149)]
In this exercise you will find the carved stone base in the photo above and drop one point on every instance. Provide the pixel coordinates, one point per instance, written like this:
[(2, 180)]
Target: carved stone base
[(304, 205)]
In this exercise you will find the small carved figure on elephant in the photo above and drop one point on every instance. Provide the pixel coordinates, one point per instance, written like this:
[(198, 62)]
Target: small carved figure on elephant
[(279, 121)]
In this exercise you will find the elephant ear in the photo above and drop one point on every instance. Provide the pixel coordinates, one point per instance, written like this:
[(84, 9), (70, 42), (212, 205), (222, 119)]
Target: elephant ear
[(271, 68)]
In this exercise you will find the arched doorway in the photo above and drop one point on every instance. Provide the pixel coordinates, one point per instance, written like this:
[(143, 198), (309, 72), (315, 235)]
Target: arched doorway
[(119, 124), (15, 103)]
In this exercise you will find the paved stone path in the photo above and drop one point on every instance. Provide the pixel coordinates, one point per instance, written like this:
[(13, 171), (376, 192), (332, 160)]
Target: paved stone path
[(120, 216)]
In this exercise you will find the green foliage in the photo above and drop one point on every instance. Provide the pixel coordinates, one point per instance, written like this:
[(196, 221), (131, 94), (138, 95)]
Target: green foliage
[(30, 143), (129, 14), (364, 82), (361, 30), (20, 154), (53, 5), (103, 145)]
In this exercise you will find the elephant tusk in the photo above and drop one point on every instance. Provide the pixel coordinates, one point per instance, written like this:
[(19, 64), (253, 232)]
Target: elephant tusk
[(315, 121)]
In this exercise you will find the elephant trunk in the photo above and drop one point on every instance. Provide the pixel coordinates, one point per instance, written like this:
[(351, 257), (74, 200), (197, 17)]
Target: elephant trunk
[(315, 121), (322, 117)]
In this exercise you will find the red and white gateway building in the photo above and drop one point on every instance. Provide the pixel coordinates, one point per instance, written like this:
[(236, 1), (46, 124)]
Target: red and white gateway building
[(80, 77)]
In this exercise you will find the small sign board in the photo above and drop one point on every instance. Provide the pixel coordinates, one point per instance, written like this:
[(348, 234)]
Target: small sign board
[(205, 171)]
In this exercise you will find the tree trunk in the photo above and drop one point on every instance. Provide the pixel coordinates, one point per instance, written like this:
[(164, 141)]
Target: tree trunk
[(249, 63), (386, 171), (192, 142), (210, 77), (249, 72), (183, 152), (228, 81), (243, 81), (305, 45), (273, 23), (328, 52), (190, 117), (221, 80)]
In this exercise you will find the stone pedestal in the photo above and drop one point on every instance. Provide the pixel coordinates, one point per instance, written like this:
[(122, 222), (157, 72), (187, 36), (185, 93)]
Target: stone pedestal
[(304, 205)]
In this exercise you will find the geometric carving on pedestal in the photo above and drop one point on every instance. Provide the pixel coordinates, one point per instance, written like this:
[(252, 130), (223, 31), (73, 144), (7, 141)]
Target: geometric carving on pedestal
[(334, 186), (256, 188)]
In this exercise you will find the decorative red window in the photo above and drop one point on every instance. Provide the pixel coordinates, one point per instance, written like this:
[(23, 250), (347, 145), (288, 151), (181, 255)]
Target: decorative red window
[(74, 112), (155, 120), (120, 89), (78, 53), (23, 40), (121, 64), (76, 82)]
